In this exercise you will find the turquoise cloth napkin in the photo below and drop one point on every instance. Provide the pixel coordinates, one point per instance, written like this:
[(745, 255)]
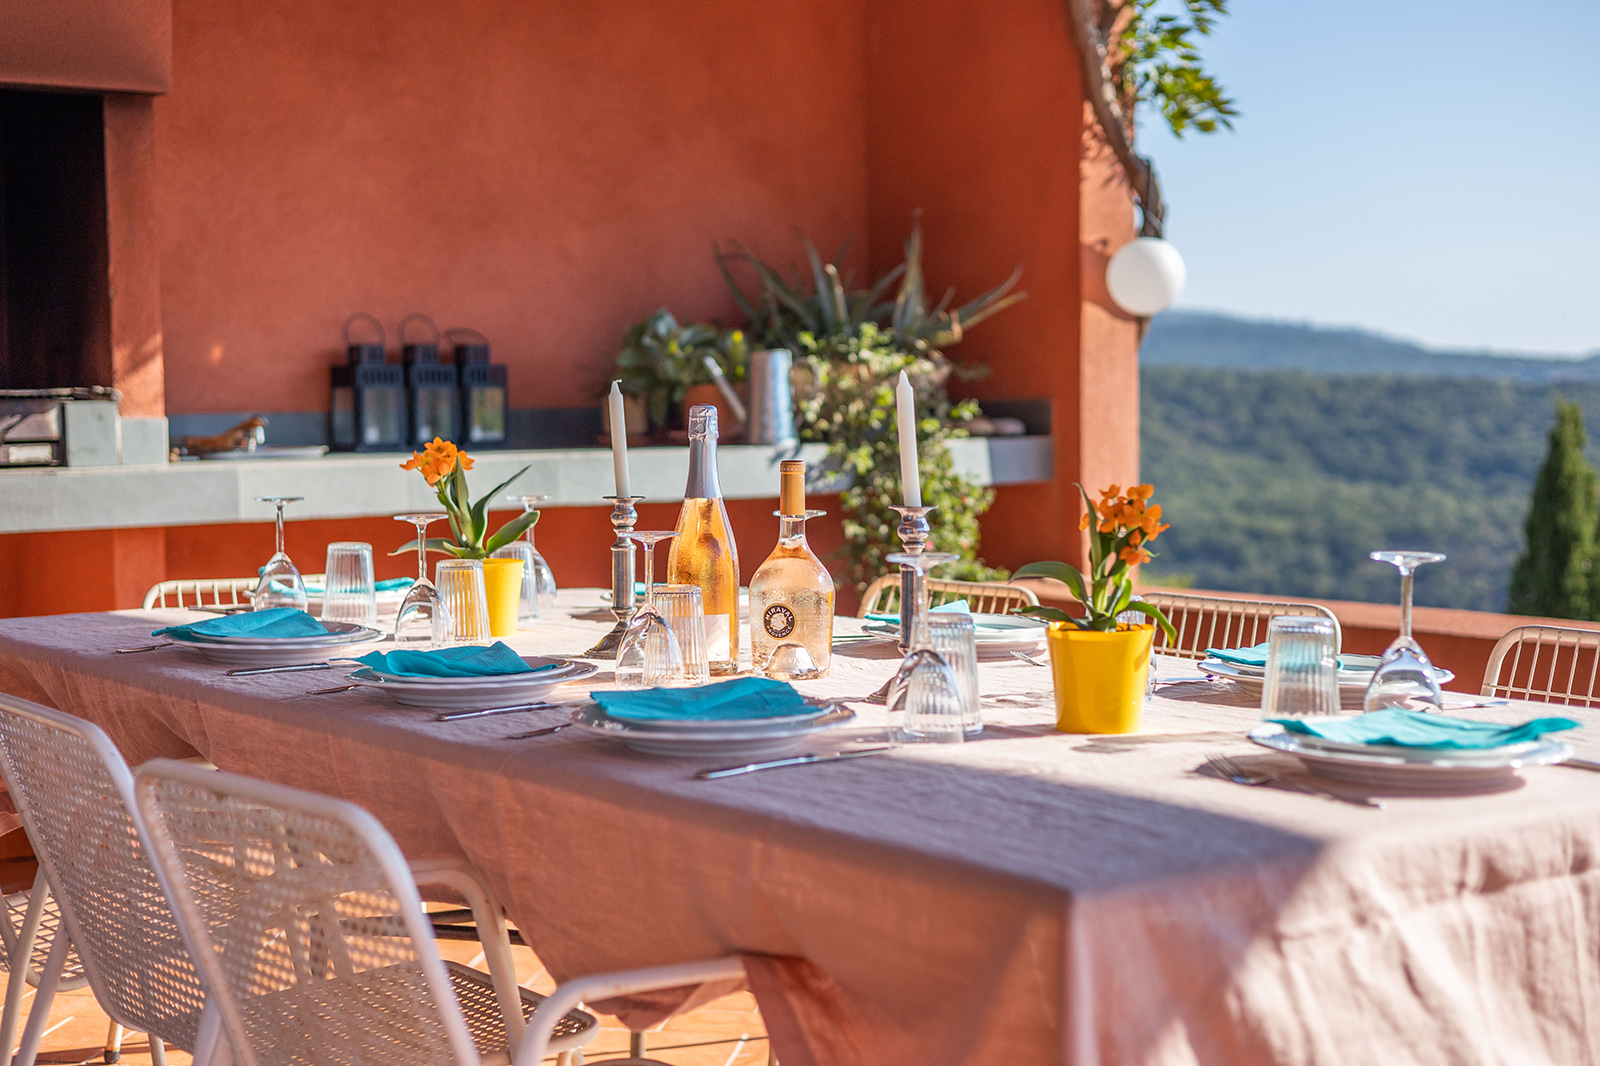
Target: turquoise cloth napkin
[(496, 660), (1413, 729), (742, 698), (958, 606), (388, 584), (1257, 656), (277, 622)]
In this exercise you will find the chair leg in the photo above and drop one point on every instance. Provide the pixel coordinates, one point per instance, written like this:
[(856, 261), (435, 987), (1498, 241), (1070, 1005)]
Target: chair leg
[(22, 959), (158, 1051), (211, 1047), (113, 1043), (39, 1014), (635, 1045)]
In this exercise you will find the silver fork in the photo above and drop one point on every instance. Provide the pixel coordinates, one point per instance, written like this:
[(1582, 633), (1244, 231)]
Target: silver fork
[(1225, 768), (1030, 660)]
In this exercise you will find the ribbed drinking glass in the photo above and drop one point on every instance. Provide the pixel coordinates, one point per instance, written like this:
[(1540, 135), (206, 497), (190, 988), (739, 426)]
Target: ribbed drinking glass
[(465, 619), (1302, 677), (954, 636), (684, 612), (349, 592)]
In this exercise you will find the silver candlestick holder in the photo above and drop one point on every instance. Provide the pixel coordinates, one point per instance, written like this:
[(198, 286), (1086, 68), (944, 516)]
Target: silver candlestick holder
[(623, 517), (914, 531)]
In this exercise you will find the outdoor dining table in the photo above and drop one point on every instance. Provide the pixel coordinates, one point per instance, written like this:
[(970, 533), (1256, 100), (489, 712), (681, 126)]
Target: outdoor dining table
[(1026, 897)]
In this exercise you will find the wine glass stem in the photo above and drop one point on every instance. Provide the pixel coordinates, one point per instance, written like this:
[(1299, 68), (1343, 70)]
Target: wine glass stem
[(649, 572), (919, 609), (422, 552), (1405, 602), (280, 527)]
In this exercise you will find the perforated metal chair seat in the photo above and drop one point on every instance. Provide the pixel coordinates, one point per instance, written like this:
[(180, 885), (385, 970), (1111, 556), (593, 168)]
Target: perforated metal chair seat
[(72, 975), (333, 1018)]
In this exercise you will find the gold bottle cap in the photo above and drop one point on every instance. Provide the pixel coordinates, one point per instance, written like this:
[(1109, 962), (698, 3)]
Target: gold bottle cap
[(792, 487)]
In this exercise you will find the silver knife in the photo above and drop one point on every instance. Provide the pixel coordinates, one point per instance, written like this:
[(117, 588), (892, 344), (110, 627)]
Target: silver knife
[(797, 760), (279, 669), (456, 716)]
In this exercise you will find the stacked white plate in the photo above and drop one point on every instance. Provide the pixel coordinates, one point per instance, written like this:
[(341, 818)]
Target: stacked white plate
[(1355, 674), (996, 635), (475, 693), (744, 738), (1411, 769), (282, 651)]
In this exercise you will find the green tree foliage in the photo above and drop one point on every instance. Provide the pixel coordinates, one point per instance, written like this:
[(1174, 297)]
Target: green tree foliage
[(1281, 481), (1160, 63), (1554, 575)]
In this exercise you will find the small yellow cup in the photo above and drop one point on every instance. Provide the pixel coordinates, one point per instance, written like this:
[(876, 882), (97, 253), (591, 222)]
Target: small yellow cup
[(1099, 677), (502, 584)]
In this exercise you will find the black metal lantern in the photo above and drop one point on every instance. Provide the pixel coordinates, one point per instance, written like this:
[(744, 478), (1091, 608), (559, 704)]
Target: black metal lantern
[(367, 409), (482, 389), (430, 387)]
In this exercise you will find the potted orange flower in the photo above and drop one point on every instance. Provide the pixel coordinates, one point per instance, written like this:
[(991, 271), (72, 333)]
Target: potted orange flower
[(444, 468), (1099, 665)]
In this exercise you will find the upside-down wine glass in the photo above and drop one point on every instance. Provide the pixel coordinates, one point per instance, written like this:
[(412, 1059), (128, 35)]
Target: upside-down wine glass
[(1404, 679), (414, 623), (933, 698), (280, 584), (650, 650), (544, 579)]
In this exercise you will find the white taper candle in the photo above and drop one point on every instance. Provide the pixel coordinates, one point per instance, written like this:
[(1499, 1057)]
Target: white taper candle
[(906, 415), (619, 440)]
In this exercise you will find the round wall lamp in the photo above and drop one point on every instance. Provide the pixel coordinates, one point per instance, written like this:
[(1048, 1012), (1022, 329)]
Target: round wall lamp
[(1145, 276)]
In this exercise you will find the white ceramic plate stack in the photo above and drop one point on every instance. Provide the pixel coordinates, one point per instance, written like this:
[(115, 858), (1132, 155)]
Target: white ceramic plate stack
[(1411, 769), (743, 738), (282, 651), (1355, 674), (475, 693), (997, 635)]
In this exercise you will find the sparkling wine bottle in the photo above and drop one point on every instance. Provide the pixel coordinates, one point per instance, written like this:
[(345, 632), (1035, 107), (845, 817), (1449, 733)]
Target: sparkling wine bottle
[(703, 553), (791, 595)]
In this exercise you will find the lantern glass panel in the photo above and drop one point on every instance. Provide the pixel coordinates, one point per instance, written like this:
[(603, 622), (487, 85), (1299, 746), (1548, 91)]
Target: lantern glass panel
[(344, 416), (436, 416), (384, 417), (488, 414)]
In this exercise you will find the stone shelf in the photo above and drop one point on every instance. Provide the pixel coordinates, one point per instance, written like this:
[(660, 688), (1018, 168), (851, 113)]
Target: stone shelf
[(350, 486)]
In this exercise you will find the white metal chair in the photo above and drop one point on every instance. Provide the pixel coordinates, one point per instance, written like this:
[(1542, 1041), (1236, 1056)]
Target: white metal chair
[(1205, 622), (983, 597), (75, 796), (1552, 664), (200, 592), (310, 930)]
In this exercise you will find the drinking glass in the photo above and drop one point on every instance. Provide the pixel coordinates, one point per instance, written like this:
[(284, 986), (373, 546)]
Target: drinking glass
[(538, 577), (954, 636), (649, 648), (1404, 679), (527, 599), (414, 624), (280, 584), (933, 696), (1302, 678), (349, 592), (684, 610), (465, 619)]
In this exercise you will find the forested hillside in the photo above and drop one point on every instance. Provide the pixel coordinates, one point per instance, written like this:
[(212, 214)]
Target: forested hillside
[(1281, 481)]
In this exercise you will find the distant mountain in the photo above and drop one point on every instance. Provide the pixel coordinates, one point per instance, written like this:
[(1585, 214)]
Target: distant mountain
[(1202, 339)]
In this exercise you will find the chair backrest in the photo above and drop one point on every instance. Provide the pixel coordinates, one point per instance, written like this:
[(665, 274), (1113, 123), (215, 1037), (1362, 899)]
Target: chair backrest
[(983, 597), (306, 920), (75, 795), (1549, 663), (200, 592), (1205, 622)]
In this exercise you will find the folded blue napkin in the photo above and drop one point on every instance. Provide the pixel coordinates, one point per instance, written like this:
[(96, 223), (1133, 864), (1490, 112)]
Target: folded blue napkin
[(277, 622), (1413, 729), (955, 606), (1257, 656), (742, 698), (496, 660), (388, 584)]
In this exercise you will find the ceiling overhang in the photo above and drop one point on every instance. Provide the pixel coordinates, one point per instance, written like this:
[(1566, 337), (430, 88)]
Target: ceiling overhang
[(122, 46)]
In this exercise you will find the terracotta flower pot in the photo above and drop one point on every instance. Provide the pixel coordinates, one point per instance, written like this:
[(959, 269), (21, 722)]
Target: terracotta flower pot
[(1099, 678)]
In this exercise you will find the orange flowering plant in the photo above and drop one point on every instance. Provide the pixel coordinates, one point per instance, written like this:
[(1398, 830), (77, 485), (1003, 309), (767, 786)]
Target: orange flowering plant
[(1121, 528), (445, 468)]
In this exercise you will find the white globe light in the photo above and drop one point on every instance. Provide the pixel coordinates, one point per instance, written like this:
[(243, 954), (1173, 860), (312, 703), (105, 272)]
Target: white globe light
[(1145, 276)]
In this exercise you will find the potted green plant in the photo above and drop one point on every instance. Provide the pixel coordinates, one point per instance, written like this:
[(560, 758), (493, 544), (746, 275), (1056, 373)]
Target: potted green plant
[(1100, 666), (662, 360)]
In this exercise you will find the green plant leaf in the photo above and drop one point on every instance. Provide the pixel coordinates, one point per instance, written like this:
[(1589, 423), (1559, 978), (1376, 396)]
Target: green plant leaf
[(1061, 572), (1153, 612), (480, 510), (1052, 614), (511, 531), (435, 544)]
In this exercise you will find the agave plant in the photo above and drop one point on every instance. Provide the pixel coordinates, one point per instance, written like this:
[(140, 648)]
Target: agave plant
[(660, 359), (782, 309)]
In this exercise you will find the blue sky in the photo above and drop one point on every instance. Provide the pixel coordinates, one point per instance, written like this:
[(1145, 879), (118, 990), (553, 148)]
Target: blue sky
[(1423, 168)]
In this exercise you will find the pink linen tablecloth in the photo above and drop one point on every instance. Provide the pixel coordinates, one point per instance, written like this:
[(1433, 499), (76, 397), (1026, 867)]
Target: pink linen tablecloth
[(1031, 897)]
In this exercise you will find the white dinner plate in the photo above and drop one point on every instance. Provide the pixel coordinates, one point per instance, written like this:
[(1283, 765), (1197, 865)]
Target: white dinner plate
[(558, 667), (815, 709), (275, 653), (471, 694), (1352, 684), (1421, 770), (338, 633), (994, 634), (736, 741)]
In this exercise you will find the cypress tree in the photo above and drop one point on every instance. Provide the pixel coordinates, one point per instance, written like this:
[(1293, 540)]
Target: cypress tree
[(1555, 575)]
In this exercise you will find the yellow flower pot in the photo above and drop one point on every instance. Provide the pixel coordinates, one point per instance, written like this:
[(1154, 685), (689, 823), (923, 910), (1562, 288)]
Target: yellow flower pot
[(1099, 677), (502, 583)]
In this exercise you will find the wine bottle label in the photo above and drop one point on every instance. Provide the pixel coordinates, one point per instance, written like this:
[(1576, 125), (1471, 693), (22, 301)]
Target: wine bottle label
[(778, 620), (717, 638)]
